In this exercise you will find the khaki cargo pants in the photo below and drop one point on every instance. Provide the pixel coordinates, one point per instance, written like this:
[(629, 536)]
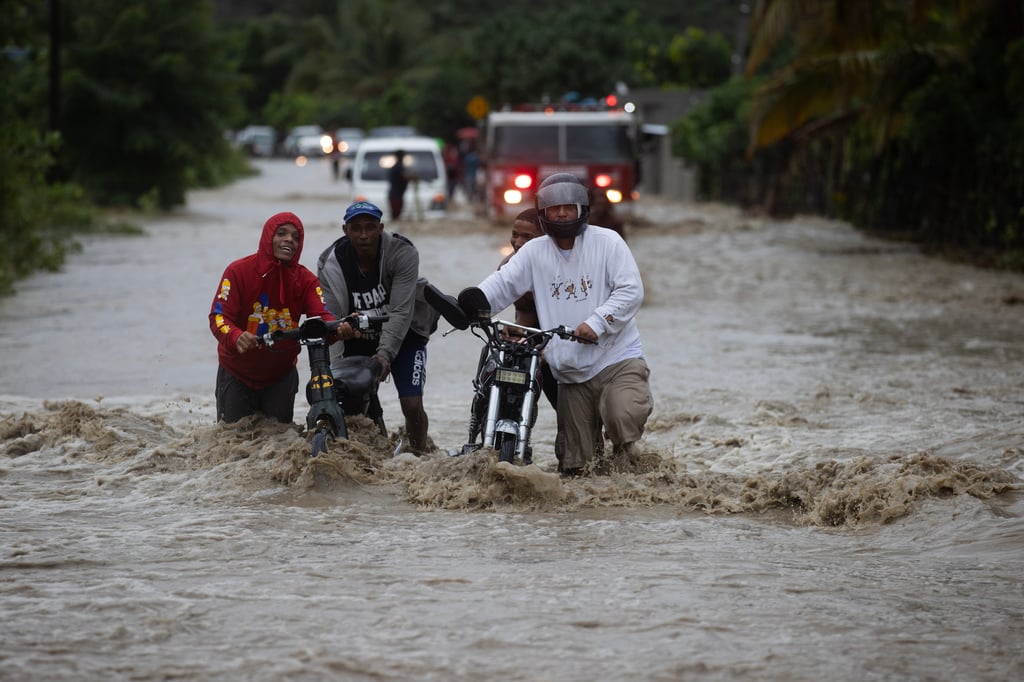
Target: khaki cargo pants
[(619, 398)]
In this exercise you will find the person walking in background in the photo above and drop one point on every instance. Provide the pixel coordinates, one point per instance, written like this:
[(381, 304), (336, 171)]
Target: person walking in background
[(585, 277), (335, 156), (452, 168), (370, 269), (470, 167), (398, 181), (261, 293)]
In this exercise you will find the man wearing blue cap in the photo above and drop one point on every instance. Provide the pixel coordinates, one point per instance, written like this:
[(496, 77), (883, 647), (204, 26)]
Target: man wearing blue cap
[(372, 270)]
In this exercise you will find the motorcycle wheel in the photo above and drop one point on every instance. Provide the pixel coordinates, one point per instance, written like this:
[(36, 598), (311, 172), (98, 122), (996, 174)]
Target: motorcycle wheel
[(506, 448), (320, 438)]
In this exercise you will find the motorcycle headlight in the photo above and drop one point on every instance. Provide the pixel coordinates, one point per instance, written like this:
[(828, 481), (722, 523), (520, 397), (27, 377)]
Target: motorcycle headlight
[(511, 377)]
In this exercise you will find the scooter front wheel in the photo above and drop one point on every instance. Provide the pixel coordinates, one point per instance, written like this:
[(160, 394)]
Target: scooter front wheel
[(320, 438)]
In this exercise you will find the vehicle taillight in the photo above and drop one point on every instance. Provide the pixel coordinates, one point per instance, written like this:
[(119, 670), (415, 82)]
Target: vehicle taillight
[(522, 181), (603, 180)]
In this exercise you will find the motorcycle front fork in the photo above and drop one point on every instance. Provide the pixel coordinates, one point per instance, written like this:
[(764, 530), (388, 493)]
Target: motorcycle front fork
[(324, 410), (522, 426)]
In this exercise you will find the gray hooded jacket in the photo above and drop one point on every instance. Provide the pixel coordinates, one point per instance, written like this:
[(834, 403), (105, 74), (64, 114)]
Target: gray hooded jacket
[(399, 273)]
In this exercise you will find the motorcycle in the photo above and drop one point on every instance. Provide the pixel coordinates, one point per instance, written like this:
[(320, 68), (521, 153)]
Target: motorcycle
[(331, 396), (507, 384)]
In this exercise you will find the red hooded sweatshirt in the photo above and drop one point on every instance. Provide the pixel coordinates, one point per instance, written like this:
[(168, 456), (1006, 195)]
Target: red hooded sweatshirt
[(260, 294)]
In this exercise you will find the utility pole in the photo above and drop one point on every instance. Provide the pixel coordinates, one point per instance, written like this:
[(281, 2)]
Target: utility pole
[(55, 172), (742, 34), (55, 49)]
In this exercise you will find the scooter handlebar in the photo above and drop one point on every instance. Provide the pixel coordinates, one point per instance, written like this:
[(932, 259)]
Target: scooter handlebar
[(365, 321), (313, 328)]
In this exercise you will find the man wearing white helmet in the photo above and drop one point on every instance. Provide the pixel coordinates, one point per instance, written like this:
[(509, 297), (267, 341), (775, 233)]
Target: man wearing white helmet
[(583, 277)]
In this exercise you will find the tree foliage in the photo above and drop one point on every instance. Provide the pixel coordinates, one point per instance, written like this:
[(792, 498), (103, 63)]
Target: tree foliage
[(36, 214), (693, 58), (147, 95), (373, 63), (149, 88), (902, 116)]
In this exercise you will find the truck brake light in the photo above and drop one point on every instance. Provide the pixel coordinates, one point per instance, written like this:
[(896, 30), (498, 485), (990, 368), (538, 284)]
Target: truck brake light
[(603, 180)]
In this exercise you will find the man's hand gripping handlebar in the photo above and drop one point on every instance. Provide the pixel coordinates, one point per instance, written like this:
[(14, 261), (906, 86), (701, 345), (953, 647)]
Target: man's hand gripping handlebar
[(316, 328)]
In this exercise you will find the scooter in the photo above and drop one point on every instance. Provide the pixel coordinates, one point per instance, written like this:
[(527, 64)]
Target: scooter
[(352, 390), (507, 384)]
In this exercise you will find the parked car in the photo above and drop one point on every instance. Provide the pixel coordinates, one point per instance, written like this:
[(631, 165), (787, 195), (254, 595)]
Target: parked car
[(307, 140), (257, 140), (394, 131), (425, 197), (346, 141)]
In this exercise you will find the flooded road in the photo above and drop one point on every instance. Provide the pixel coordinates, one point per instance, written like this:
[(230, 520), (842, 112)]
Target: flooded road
[(831, 483)]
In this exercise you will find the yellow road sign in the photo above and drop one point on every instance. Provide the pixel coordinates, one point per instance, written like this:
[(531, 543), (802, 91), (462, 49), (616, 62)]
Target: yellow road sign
[(477, 107)]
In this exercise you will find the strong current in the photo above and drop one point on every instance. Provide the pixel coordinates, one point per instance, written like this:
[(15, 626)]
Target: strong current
[(829, 486)]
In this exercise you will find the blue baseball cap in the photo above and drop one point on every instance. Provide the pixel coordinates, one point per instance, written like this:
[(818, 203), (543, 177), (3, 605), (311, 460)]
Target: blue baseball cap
[(363, 208)]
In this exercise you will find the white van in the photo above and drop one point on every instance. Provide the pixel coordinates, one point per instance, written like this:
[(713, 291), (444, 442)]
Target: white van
[(427, 194)]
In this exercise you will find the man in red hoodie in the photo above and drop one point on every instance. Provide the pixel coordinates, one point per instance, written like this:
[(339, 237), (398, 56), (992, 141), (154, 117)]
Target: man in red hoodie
[(261, 293)]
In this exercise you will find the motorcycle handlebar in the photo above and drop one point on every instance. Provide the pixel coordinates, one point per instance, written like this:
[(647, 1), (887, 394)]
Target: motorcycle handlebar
[(516, 329), (365, 321), (569, 334), (313, 328)]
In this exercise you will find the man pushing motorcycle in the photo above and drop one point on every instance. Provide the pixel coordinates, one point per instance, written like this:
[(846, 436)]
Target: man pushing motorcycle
[(264, 292), (369, 269), (584, 277)]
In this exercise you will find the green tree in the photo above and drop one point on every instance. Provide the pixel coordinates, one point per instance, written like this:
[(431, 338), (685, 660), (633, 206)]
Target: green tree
[(261, 52), (373, 63), (378, 64), (694, 59), (714, 136), (556, 49), (148, 95), (845, 60), (899, 114), (36, 216)]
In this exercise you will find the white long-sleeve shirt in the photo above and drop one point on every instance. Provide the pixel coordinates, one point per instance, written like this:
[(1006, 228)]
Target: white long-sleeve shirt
[(597, 282)]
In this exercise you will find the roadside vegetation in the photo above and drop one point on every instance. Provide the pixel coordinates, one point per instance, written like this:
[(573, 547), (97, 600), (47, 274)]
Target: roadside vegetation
[(902, 116), (905, 118)]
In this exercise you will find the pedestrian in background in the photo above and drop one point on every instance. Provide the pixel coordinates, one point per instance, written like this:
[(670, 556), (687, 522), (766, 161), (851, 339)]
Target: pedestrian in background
[(398, 181), (452, 168)]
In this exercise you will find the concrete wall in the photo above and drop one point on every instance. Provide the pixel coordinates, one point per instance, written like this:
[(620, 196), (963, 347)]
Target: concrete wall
[(661, 173)]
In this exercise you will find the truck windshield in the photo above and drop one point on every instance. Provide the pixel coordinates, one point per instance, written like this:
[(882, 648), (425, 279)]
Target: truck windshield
[(583, 143), (534, 144), (599, 144)]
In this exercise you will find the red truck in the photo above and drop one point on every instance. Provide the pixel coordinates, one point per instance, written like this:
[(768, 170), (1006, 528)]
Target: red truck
[(521, 148)]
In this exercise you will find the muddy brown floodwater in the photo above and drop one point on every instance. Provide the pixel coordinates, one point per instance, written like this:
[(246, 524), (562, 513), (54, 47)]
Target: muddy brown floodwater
[(829, 486)]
